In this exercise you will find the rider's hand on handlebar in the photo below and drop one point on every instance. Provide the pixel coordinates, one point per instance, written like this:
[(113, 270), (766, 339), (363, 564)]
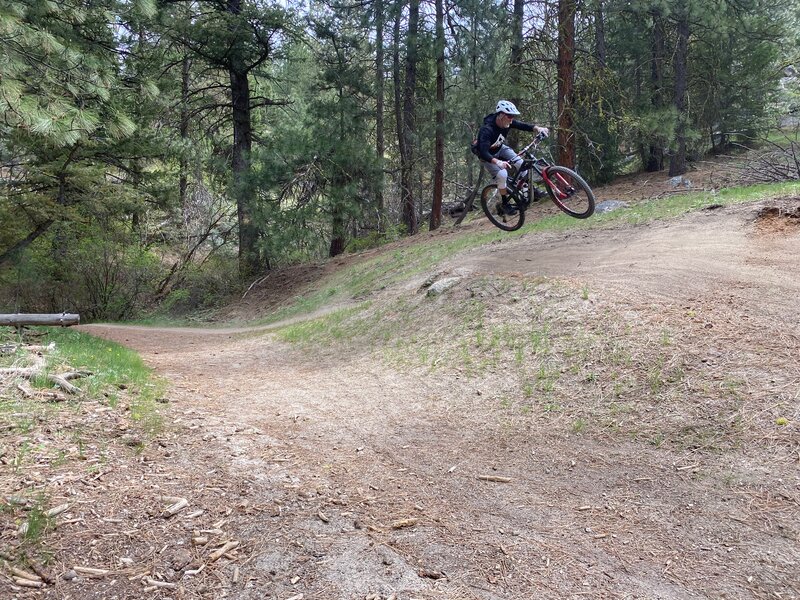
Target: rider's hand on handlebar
[(542, 131)]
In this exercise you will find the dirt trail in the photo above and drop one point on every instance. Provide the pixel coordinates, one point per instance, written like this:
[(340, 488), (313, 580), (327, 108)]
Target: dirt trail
[(330, 452), (724, 255)]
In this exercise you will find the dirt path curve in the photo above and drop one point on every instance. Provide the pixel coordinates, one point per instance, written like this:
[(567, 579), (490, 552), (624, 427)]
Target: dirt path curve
[(723, 255), (350, 479)]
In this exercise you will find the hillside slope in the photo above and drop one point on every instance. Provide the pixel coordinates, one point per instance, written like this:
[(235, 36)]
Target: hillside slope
[(610, 413)]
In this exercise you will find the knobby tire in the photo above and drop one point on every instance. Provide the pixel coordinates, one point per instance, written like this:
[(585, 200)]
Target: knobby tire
[(579, 202), (491, 202)]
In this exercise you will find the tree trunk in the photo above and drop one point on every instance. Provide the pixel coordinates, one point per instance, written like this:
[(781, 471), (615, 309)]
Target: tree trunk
[(379, 88), (183, 179), (566, 82), (338, 240), (398, 81), (438, 173), (654, 160), (600, 35), (515, 74), (338, 220), (250, 262), (409, 122), (249, 256), (677, 165)]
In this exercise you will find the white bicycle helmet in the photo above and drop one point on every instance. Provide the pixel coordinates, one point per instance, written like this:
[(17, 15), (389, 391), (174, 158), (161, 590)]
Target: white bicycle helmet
[(504, 106)]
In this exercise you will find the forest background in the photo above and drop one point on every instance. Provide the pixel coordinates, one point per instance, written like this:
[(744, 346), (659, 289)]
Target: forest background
[(162, 155)]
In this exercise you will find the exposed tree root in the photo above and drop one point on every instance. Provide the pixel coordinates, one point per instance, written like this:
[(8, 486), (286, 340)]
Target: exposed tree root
[(38, 370)]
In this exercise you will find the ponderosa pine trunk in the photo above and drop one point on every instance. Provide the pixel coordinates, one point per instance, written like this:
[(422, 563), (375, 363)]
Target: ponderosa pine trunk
[(677, 165), (397, 75), (566, 82), (515, 74), (183, 178), (409, 122), (600, 35), (653, 158), (379, 88), (438, 172), (250, 262)]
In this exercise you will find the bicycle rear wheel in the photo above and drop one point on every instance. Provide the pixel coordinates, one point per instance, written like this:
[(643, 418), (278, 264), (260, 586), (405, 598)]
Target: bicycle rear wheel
[(569, 191), (508, 218)]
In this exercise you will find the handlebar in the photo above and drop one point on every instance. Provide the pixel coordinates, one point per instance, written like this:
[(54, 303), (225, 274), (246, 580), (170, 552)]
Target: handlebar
[(537, 139)]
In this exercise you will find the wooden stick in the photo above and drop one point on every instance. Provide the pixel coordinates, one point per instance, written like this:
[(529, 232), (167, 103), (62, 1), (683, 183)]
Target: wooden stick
[(218, 553), (90, 571), (23, 574), (40, 570), (169, 499), (404, 523), (28, 583), (64, 384), (161, 584), (57, 510), (76, 375), (496, 478), (26, 391), (175, 508), (195, 571)]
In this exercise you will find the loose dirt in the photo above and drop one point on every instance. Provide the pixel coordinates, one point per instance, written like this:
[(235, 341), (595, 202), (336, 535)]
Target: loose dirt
[(344, 475)]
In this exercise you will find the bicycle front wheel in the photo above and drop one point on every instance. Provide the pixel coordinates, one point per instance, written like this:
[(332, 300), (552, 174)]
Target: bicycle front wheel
[(507, 217), (569, 191)]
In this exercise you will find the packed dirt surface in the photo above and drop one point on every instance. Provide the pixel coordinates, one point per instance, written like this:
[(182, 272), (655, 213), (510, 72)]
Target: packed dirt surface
[(340, 473)]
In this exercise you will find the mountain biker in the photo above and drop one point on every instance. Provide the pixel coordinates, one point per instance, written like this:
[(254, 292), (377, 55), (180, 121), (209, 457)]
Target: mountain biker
[(491, 149)]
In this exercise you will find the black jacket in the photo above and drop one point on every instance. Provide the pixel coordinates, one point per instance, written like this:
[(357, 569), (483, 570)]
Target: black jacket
[(491, 137)]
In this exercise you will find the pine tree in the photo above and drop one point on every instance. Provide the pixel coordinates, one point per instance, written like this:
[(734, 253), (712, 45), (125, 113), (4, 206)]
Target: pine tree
[(63, 101), (237, 38)]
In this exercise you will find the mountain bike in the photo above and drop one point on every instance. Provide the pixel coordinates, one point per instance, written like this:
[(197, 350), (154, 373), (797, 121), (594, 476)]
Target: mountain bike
[(566, 189)]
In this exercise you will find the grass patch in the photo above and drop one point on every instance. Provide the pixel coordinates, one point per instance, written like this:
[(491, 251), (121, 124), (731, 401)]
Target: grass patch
[(37, 522), (114, 368), (677, 205), (335, 326)]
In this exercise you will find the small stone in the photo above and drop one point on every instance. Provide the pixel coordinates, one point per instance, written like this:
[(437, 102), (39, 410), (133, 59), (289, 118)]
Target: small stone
[(680, 181), (69, 575), (609, 205), (442, 286)]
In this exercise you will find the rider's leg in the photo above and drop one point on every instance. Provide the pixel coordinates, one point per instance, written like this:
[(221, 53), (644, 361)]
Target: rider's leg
[(507, 154), (500, 176)]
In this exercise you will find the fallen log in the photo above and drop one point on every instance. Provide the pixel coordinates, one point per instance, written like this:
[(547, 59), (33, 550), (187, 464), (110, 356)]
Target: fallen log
[(20, 319)]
